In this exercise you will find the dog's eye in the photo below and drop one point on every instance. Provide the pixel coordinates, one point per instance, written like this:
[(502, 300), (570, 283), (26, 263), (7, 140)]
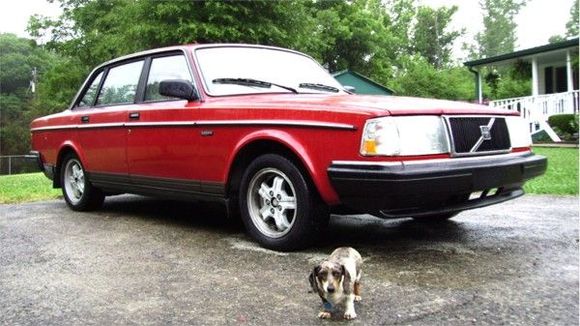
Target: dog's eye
[(335, 274)]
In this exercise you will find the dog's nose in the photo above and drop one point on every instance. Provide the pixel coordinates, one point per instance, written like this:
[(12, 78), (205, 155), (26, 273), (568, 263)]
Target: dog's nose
[(330, 289)]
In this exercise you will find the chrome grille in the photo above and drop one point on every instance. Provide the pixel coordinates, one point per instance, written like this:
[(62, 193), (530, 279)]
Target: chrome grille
[(478, 135)]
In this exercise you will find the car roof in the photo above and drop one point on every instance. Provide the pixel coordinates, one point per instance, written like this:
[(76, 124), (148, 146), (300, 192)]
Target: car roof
[(191, 47)]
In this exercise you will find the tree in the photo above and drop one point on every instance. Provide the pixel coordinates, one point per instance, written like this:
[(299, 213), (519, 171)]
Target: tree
[(572, 24), (18, 58), (420, 78), (96, 31), (431, 38), (499, 27), (353, 36)]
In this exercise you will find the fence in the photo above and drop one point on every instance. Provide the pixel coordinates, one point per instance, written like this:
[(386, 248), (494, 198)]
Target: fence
[(17, 164)]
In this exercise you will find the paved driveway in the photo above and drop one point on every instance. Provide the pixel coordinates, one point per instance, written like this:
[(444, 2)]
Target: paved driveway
[(144, 261)]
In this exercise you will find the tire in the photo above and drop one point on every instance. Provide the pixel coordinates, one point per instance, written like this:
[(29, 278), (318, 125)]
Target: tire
[(435, 218), (78, 192), (280, 209)]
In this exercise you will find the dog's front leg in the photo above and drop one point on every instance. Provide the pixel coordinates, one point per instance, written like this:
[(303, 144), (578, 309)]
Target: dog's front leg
[(326, 312), (349, 312), (357, 296)]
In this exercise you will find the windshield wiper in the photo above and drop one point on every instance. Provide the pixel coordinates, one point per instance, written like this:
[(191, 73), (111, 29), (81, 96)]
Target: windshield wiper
[(320, 87), (251, 82)]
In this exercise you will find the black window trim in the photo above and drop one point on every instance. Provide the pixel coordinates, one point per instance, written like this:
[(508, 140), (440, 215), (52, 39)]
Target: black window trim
[(88, 85), (146, 73), (140, 91), (115, 65)]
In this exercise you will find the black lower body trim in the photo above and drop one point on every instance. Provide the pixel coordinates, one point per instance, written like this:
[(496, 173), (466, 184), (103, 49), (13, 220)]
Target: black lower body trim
[(158, 187), (433, 187)]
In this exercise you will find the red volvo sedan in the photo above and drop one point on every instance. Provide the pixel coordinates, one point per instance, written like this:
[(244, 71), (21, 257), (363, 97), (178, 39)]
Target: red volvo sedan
[(270, 134)]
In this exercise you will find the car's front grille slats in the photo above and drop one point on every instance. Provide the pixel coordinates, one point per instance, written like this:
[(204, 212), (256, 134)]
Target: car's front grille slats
[(478, 135)]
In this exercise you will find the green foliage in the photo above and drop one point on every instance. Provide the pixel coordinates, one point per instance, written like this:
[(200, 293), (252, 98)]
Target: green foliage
[(572, 24), (431, 40), (14, 135), (18, 58), (565, 125), (58, 86), (96, 31), (556, 39), (499, 28), (422, 79), (512, 87), (355, 36)]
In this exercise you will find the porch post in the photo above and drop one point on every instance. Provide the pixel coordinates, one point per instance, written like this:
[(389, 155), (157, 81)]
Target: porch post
[(569, 72), (535, 86), (479, 88)]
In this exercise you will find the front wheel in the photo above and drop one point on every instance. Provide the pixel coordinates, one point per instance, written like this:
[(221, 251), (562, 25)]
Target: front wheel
[(79, 193), (279, 208)]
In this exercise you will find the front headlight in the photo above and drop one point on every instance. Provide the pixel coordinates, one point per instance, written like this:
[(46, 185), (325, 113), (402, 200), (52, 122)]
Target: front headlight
[(398, 136), (519, 130)]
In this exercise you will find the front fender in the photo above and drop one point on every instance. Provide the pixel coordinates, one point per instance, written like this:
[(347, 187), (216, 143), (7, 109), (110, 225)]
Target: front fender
[(315, 169)]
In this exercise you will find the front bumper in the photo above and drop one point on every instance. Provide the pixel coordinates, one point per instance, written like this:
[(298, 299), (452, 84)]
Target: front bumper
[(427, 187)]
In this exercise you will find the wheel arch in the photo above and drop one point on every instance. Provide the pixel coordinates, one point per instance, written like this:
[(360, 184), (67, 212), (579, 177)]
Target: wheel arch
[(65, 149), (253, 147)]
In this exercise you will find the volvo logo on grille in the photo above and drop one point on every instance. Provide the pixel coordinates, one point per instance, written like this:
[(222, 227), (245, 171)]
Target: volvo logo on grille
[(485, 132)]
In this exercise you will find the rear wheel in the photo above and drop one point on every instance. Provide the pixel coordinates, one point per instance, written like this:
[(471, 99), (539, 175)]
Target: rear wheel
[(79, 193), (279, 208)]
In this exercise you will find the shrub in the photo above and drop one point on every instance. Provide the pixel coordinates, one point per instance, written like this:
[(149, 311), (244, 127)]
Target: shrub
[(565, 125)]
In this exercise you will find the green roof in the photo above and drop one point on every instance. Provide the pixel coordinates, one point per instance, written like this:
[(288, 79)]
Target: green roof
[(523, 53), (362, 84)]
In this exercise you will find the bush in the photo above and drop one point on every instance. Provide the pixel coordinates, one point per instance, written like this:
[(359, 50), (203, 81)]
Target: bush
[(565, 125)]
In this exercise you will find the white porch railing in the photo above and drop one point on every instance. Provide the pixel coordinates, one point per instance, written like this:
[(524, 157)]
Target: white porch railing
[(537, 109)]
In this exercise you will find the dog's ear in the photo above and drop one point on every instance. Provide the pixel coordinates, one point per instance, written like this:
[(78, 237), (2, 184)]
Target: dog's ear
[(312, 279), (346, 283)]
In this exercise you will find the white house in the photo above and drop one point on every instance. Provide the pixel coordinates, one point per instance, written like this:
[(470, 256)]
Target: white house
[(554, 82)]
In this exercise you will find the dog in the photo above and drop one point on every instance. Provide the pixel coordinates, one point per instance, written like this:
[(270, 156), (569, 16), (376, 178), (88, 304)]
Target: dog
[(337, 281)]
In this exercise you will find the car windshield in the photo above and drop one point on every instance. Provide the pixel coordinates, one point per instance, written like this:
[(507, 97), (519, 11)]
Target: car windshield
[(248, 70)]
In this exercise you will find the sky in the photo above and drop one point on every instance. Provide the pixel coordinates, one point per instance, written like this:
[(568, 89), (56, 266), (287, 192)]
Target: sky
[(537, 21)]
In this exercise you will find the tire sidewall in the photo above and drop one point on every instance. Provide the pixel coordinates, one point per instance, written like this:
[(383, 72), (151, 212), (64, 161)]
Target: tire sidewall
[(301, 230), (91, 197)]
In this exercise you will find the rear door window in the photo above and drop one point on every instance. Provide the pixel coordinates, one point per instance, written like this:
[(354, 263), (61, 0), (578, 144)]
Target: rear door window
[(120, 85)]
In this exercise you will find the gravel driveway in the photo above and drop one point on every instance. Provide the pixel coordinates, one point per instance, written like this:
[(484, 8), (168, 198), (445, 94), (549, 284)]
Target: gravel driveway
[(144, 261)]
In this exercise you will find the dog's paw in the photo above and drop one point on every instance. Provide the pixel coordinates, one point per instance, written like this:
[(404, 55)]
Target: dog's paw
[(357, 298), (324, 315), (350, 315)]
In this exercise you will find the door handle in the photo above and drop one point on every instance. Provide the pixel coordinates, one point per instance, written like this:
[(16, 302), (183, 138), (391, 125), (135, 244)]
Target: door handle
[(134, 115), (85, 119)]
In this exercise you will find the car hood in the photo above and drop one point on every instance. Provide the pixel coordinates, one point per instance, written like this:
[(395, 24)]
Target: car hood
[(373, 105)]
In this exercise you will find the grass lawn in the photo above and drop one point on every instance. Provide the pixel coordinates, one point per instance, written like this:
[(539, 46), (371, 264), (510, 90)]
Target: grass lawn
[(561, 178), (26, 187)]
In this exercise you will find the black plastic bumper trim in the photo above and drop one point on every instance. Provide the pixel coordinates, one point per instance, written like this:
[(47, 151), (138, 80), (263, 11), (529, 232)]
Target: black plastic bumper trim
[(432, 187)]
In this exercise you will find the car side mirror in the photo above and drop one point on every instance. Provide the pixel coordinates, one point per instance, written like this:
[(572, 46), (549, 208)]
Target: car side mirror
[(178, 88), (350, 89)]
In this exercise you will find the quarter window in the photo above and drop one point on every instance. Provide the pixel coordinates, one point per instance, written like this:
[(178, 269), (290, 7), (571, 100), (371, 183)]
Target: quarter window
[(120, 84), (173, 67), (91, 92)]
